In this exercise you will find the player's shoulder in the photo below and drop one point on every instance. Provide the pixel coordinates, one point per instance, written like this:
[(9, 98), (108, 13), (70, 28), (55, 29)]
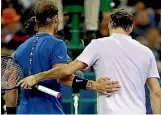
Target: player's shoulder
[(148, 51), (143, 47), (54, 41)]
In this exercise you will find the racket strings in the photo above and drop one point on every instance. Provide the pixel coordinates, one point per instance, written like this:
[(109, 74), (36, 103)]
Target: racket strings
[(11, 73)]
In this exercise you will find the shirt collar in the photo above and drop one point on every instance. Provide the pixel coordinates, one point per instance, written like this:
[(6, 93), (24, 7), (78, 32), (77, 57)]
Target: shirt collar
[(119, 35)]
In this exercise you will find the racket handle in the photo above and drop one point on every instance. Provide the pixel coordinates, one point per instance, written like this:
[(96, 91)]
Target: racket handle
[(76, 100), (48, 91)]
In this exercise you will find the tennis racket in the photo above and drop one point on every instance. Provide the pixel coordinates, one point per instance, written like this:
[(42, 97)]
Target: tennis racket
[(12, 73)]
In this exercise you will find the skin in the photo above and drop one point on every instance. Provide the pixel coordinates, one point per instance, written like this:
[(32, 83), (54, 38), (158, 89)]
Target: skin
[(155, 94), (11, 101)]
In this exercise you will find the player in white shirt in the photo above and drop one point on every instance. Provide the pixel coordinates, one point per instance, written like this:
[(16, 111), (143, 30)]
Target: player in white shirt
[(121, 58)]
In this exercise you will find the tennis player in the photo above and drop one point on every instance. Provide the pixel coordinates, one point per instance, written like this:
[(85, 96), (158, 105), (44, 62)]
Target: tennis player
[(48, 52), (122, 58)]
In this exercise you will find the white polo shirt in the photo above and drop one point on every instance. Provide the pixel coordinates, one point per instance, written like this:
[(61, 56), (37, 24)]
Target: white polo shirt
[(123, 59)]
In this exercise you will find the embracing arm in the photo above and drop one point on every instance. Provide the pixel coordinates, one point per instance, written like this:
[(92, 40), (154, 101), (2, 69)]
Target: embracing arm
[(103, 85), (64, 75), (59, 71)]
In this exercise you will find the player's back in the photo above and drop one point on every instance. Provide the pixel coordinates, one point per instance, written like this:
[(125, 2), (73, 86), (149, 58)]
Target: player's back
[(43, 59), (127, 61)]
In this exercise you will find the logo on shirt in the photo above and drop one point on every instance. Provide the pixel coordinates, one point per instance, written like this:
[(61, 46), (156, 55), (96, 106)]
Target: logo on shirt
[(61, 57), (78, 80)]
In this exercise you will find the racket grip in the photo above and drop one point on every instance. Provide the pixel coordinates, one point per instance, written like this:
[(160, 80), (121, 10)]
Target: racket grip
[(76, 100), (48, 91)]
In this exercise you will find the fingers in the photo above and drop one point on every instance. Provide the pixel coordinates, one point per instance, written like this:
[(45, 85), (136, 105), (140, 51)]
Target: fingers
[(114, 82), (26, 86), (115, 86), (23, 84), (107, 86), (108, 82), (110, 88), (105, 78), (19, 83), (109, 91), (108, 94)]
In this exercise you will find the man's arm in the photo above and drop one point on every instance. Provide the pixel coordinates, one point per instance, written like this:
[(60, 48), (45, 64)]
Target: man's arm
[(98, 85), (66, 80), (103, 85), (155, 95), (55, 73), (154, 86), (11, 97)]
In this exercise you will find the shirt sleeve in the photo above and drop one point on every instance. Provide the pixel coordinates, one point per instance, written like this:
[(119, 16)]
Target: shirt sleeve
[(153, 71), (59, 53), (90, 54)]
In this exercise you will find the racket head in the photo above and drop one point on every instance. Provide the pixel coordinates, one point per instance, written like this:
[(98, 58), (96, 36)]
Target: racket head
[(11, 73)]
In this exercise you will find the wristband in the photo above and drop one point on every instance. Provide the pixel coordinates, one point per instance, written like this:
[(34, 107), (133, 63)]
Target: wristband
[(11, 110), (79, 83)]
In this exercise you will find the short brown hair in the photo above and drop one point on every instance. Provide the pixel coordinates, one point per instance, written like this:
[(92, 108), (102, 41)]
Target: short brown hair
[(121, 18), (45, 11)]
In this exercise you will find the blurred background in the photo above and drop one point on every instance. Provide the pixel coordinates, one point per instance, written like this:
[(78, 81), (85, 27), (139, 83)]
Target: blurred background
[(80, 22)]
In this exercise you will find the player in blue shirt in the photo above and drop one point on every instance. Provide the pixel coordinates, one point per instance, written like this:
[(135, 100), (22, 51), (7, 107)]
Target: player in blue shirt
[(48, 52)]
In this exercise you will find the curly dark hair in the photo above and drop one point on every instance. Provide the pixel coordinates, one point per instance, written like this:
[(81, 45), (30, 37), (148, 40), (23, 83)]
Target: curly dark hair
[(30, 26), (121, 18), (45, 11)]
